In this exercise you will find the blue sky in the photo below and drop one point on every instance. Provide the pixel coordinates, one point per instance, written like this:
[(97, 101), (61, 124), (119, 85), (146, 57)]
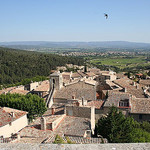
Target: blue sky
[(75, 20)]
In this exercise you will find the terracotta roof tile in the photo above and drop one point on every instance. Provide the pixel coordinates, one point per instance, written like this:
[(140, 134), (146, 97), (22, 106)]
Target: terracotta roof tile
[(6, 115), (23, 92)]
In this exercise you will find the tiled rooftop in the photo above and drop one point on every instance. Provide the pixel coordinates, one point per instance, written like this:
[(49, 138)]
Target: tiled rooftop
[(114, 97), (97, 104), (120, 75), (113, 85), (43, 86), (78, 140), (76, 75), (133, 90), (6, 115), (95, 70), (78, 89), (75, 126), (23, 92), (90, 74), (81, 140), (144, 82), (140, 105), (6, 90)]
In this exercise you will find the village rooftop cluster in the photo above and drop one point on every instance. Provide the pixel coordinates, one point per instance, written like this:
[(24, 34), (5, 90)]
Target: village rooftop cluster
[(75, 102)]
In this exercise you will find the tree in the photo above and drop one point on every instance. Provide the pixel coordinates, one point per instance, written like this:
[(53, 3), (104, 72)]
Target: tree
[(17, 65), (119, 129), (58, 140), (33, 104)]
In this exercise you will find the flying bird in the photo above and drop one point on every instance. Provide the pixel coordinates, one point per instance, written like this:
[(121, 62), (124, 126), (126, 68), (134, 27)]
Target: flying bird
[(106, 15)]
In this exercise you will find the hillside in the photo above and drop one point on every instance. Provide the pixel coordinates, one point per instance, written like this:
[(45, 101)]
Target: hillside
[(16, 65)]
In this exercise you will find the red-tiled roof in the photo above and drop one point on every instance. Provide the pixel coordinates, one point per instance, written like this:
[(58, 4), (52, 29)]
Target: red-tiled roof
[(140, 74), (6, 90), (6, 115)]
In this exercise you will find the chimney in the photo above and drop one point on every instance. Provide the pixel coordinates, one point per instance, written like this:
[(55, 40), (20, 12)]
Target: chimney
[(53, 111), (73, 97), (134, 84), (92, 119), (77, 104), (125, 89), (70, 80), (137, 86), (43, 123), (83, 101)]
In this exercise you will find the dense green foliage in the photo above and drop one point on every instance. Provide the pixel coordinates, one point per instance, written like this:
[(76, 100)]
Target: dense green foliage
[(16, 65), (59, 140), (119, 129), (33, 104)]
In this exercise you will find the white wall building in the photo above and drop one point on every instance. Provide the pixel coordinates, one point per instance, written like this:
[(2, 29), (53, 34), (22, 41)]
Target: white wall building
[(11, 121)]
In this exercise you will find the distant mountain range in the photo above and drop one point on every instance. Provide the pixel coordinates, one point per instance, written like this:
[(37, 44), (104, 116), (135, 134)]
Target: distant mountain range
[(45, 44)]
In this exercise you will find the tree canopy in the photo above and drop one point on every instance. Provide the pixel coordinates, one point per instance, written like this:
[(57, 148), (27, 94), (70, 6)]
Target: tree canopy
[(33, 104), (119, 129), (16, 65)]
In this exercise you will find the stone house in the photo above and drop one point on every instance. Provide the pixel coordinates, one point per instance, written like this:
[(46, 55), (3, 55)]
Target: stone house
[(140, 109), (130, 105), (76, 91), (41, 89)]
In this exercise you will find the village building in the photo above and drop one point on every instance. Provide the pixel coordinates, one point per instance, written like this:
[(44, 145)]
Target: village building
[(11, 121), (76, 100), (40, 88), (140, 109), (145, 83), (12, 90), (76, 123)]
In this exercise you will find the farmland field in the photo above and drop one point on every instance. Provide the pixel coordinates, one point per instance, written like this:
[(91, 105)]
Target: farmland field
[(121, 62)]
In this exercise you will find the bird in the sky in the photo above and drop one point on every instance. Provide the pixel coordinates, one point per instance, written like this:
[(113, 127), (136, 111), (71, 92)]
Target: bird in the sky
[(106, 15)]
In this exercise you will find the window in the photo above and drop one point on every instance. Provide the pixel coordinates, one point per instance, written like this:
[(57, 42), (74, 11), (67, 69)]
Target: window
[(140, 116), (124, 103)]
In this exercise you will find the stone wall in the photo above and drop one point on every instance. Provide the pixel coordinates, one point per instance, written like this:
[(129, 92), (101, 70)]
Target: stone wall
[(114, 146), (101, 112), (60, 100), (84, 112)]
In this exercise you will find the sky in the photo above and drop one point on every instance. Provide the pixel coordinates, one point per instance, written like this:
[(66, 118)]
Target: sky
[(75, 20)]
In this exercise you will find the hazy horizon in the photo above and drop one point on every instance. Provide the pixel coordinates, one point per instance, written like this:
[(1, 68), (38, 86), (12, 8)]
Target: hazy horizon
[(73, 41)]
